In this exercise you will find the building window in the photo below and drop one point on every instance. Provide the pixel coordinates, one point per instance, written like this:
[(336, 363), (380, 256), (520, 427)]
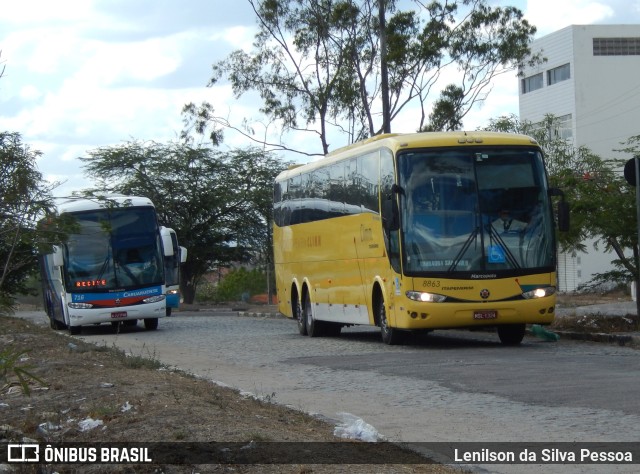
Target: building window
[(559, 128), (532, 83), (557, 74), (616, 46), (564, 128)]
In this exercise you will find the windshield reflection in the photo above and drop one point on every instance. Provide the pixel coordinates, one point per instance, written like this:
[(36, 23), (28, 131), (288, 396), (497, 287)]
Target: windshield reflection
[(114, 249), (474, 210)]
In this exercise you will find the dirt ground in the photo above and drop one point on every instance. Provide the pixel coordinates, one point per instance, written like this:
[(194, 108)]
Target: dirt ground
[(572, 300), (98, 394), (595, 323)]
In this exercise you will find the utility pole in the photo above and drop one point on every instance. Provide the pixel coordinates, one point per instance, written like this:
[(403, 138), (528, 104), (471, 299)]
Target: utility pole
[(632, 175)]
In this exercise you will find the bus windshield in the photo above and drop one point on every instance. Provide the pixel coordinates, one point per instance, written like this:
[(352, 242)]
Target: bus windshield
[(114, 249), (475, 210)]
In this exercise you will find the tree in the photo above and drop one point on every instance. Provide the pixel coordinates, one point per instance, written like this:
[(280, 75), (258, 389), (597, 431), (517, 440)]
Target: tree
[(219, 203), (317, 65), (602, 202), (23, 201)]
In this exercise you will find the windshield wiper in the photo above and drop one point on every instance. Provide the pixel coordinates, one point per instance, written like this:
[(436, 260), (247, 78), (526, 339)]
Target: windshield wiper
[(493, 233), (464, 248)]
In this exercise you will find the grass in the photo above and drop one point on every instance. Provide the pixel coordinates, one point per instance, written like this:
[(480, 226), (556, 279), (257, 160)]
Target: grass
[(13, 370)]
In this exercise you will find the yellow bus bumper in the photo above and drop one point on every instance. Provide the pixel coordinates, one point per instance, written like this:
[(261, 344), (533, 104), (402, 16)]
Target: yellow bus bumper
[(415, 315)]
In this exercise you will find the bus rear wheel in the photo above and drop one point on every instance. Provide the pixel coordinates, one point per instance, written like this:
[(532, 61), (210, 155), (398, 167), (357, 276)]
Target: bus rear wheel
[(298, 314), (314, 328), (511, 334)]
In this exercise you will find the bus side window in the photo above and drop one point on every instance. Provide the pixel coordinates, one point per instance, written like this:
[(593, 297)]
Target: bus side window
[(368, 168), (387, 199)]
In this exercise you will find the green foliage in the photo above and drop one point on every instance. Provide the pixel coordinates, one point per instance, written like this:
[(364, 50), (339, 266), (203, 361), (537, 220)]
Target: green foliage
[(237, 285), (446, 112), (318, 65), (219, 203), (602, 202), (24, 199), (14, 372)]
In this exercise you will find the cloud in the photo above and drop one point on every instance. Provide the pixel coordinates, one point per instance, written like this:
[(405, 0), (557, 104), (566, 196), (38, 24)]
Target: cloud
[(552, 15), (82, 74)]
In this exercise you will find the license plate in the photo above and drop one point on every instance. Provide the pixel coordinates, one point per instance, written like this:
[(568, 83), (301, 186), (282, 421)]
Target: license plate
[(485, 314), (119, 314)]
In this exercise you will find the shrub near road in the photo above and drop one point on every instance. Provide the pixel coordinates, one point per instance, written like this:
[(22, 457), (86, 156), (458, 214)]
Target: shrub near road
[(98, 394)]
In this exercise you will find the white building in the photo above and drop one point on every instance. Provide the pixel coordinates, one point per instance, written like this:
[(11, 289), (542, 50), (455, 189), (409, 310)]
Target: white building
[(591, 81)]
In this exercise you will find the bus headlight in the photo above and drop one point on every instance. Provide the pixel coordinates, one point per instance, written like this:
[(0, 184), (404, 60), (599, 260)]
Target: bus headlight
[(539, 292), (153, 299), (80, 305), (425, 297)]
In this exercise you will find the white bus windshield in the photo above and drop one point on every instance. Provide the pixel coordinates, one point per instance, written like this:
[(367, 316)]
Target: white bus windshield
[(475, 210), (113, 249)]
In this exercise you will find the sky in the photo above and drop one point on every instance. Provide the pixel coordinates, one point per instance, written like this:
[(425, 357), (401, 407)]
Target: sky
[(84, 74)]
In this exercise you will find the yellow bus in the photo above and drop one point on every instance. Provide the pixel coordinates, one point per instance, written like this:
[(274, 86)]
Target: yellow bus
[(419, 231)]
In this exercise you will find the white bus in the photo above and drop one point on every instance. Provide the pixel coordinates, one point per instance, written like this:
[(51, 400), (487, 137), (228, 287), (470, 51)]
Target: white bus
[(110, 266), (173, 257)]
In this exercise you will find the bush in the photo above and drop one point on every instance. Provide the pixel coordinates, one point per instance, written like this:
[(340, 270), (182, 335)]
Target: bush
[(238, 285)]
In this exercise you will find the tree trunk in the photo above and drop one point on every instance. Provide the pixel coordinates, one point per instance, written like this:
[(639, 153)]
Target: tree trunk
[(188, 292)]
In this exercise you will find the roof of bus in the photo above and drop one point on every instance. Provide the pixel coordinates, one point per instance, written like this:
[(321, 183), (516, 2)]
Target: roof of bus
[(398, 141), (89, 204)]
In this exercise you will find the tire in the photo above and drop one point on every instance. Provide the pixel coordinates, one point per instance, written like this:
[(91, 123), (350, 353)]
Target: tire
[(151, 324), (390, 336), (300, 318), (511, 334), (75, 330), (314, 328), (55, 324)]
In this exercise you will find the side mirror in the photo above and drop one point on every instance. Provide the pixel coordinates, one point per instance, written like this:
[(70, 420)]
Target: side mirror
[(390, 210), (183, 254), (167, 244), (58, 259), (563, 209)]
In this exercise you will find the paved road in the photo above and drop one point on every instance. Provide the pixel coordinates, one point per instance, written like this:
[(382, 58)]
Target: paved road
[(445, 386)]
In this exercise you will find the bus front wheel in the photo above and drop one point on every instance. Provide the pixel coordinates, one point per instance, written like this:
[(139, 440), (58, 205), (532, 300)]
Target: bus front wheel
[(511, 334), (151, 324), (55, 324), (390, 336)]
